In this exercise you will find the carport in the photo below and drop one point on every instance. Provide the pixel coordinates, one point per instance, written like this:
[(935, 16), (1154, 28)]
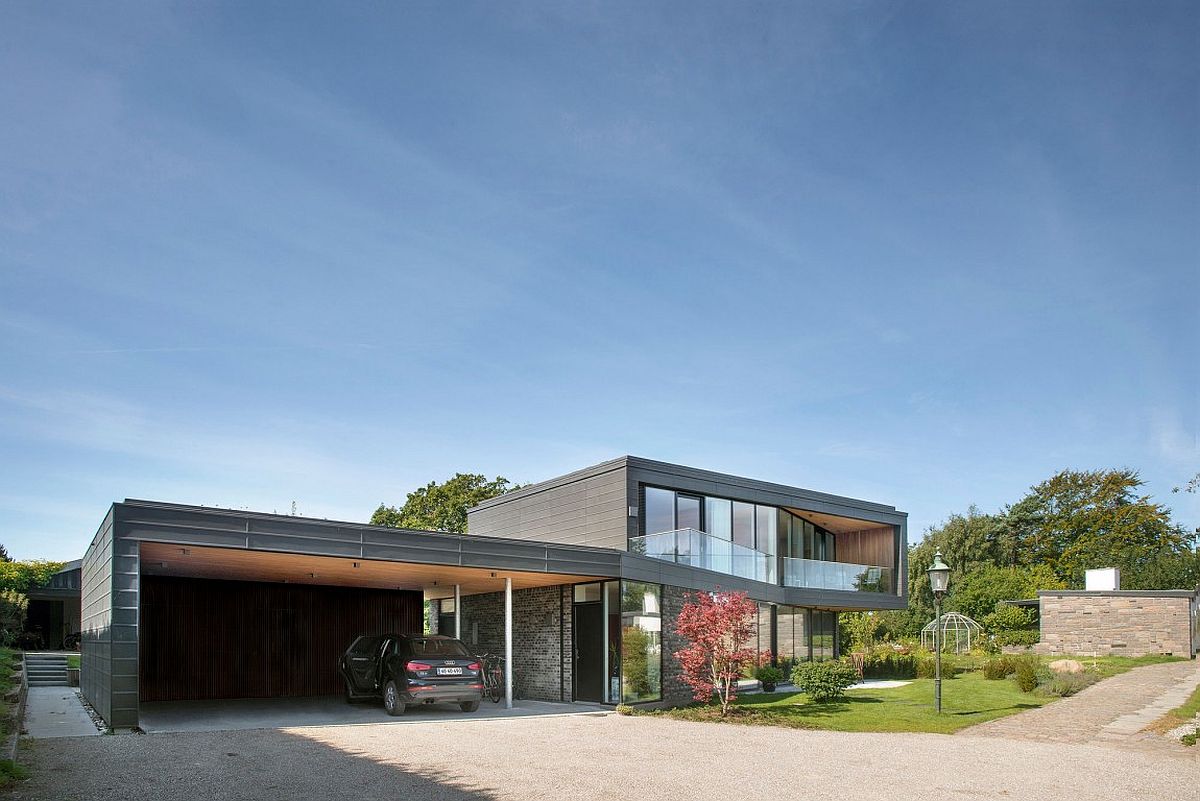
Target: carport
[(190, 604)]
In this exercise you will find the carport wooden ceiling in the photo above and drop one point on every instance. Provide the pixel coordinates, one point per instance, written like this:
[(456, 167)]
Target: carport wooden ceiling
[(235, 564)]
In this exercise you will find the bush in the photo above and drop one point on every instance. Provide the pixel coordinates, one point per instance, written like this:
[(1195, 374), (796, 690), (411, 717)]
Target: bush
[(769, 675), (624, 709), (1000, 667), (1064, 684), (1007, 618), (1026, 674), (13, 606), (1018, 637), (889, 665), (824, 681), (927, 666)]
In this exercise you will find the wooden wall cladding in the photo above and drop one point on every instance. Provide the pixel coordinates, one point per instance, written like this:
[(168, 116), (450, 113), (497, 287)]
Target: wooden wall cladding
[(874, 546), (205, 639)]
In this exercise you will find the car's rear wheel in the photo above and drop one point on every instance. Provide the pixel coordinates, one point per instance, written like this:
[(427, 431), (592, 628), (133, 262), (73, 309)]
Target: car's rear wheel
[(391, 700), (469, 706)]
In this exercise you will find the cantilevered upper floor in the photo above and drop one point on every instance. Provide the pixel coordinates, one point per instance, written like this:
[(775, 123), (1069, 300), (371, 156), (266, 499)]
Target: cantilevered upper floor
[(823, 549)]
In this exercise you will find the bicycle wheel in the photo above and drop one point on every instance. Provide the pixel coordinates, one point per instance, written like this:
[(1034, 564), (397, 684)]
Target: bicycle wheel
[(496, 690)]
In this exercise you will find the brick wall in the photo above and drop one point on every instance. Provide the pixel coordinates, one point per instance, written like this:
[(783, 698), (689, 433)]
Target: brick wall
[(1112, 623), (541, 625), (675, 690)]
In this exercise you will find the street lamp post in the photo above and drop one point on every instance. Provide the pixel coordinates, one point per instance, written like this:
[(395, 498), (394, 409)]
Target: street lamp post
[(939, 581)]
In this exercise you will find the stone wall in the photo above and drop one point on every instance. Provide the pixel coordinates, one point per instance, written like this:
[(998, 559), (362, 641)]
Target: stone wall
[(541, 626), (1118, 623), (675, 690)]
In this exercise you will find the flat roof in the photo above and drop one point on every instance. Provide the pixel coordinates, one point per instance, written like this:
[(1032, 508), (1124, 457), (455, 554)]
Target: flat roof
[(695, 473)]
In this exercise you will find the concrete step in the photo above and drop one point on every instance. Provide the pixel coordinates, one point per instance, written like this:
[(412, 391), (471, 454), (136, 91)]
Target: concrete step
[(48, 674), (47, 683)]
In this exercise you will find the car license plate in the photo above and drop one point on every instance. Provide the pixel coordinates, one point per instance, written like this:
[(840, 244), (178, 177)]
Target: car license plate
[(450, 671)]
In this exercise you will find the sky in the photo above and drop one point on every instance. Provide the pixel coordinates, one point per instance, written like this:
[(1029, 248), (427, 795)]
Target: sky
[(926, 254)]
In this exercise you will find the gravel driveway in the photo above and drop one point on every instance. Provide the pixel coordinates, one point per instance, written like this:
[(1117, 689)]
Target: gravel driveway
[(584, 756)]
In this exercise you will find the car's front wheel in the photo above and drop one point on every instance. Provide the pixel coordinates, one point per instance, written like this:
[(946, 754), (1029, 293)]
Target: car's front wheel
[(469, 706), (391, 700)]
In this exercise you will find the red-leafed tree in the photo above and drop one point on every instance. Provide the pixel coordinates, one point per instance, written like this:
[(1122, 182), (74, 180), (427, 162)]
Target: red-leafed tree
[(720, 628)]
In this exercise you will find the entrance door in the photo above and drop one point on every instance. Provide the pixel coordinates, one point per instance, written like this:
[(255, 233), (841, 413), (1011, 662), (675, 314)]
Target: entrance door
[(589, 652)]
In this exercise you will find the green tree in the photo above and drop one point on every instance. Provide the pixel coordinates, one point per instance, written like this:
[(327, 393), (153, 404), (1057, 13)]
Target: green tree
[(443, 507), (23, 576), (13, 606), (977, 593), (1084, 519), (4, 557)]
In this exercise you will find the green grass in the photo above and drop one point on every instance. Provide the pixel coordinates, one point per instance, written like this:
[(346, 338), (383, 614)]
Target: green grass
[(1108, 666), (73, 661), (966, 700), (11, 773)]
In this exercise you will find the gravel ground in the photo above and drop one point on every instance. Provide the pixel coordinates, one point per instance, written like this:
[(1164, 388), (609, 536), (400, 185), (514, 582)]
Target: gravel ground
[(587, 756)]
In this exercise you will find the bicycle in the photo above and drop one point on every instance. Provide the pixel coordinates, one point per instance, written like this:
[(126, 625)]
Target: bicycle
[(492, 674)]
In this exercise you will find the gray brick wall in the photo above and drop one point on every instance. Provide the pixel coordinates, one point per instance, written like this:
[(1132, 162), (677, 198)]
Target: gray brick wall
[(675, 690), (541, 625), (1114, 624)]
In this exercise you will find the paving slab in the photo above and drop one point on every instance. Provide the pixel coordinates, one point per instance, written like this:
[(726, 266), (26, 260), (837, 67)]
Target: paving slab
[(1113, 711), (56, 712)]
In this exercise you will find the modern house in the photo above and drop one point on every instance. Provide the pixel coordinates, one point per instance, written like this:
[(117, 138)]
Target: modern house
[(577, 579), (53, 616)]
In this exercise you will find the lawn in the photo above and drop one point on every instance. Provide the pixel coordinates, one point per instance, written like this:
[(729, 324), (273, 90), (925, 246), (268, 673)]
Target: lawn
[(73, 661), (967, 699)]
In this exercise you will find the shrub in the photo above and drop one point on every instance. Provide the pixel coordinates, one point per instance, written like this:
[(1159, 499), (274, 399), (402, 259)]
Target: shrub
[(1007, 618), (1190, 739), (889, 665), (824, 681), (1064, 684), (13, 606), (999, 667), (624, 709), (769, 675), (1026, 674), (927, 666), (1018, 637)]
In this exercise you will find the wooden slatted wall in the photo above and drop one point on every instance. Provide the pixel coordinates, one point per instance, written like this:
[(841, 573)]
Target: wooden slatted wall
[(206, 639)]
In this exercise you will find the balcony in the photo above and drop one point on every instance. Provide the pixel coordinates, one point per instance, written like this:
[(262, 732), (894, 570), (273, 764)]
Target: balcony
[(687, 546), (818, 575)]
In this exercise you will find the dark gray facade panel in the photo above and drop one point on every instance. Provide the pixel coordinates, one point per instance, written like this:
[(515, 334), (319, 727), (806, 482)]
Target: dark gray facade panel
[(304, 545), (96, 593), (588, 510), (184, 535)]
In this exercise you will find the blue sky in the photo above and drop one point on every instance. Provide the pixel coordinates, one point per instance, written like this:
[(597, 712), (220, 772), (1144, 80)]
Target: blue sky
[(922, 253)]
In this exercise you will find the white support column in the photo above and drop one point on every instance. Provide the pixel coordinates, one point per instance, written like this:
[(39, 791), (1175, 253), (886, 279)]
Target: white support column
[(508, 658), (457, 612)]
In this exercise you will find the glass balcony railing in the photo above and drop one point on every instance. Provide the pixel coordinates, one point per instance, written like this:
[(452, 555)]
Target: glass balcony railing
[(687, 546), (821, 575)]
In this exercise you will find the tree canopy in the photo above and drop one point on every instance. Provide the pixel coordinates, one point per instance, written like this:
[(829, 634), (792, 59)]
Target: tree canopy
[(1069, 523), (23, 576), (443, 507)]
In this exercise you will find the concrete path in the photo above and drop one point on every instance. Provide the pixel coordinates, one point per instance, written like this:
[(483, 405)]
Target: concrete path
[(56, 712), (1092, 716), (332, 710), (594, 757), (1133, 723)]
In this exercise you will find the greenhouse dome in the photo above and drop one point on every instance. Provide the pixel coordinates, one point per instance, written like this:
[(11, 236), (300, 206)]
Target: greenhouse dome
[(959, 633)]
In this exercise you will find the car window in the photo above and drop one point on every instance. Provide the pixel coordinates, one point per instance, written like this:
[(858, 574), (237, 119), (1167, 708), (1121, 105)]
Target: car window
[(365, 646), (437, 647)]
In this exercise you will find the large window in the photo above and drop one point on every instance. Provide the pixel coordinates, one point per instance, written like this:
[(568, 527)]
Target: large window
[(660, 510), (641, 642), (824, 631)]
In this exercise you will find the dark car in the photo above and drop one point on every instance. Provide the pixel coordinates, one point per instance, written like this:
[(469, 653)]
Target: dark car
[(409, 669)]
